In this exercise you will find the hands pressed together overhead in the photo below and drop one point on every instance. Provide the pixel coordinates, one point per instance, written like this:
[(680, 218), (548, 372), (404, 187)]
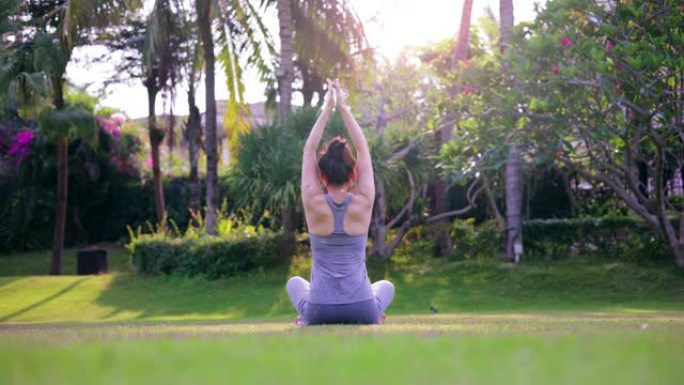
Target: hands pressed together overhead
[(335, 95)]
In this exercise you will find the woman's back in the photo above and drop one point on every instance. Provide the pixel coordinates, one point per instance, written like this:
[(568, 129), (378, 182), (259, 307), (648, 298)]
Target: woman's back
[(338, 273)]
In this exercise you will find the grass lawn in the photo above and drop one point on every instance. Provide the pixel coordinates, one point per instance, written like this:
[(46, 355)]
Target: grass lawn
[(573, 321)]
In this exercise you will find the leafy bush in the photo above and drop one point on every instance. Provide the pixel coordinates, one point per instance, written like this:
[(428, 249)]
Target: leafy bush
[(625, 238), (471, 241), (238, 248), (210, 257)]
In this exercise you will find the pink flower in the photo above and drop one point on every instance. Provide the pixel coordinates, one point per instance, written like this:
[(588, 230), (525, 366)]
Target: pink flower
[(618, 84), (116, 132), (148, 162), (468, 63), (468, 91), (24, 137), (681, 8), (555, 69), (609, 45), (21, 145), (619, 67), (118, 119), (566, 42)]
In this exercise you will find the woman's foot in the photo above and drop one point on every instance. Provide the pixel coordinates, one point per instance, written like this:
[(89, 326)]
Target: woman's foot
[(381, 320), (299, 321)]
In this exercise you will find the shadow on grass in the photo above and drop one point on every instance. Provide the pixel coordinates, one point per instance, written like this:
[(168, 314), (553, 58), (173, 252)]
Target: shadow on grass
[(43, 301), (256, 294), (448, 286)]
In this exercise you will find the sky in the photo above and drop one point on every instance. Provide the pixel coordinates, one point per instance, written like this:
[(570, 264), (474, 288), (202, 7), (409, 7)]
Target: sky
[(390, 25)]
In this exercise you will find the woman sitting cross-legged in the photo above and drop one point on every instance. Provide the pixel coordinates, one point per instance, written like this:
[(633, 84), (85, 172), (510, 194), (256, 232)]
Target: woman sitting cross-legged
[(338, 220)]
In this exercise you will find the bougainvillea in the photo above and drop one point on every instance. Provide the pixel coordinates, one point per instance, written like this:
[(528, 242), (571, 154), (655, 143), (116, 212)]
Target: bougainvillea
[(15, 144)]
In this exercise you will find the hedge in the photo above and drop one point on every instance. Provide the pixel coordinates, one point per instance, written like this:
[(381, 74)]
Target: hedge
[(210, 257), (625, 238)]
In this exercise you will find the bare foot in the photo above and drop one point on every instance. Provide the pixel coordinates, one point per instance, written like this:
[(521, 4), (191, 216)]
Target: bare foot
[(381, 320), (299, 321)]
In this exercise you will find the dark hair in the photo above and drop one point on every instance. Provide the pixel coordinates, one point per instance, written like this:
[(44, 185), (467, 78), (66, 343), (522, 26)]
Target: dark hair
[(337, 162)]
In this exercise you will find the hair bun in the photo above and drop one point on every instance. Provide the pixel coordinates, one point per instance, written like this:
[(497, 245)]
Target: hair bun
[(336, 150), (337, 162)]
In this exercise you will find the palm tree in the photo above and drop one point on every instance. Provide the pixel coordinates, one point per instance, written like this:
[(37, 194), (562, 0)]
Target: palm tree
[(441, 188), (513, 173), (240, 31), (286, 69), (193, 127), (52, 30), (318, 39), (152, 49), (161, 66), (204, 22)]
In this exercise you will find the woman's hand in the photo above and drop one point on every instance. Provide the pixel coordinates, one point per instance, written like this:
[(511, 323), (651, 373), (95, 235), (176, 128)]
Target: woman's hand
[(341, 95), (330, 96)]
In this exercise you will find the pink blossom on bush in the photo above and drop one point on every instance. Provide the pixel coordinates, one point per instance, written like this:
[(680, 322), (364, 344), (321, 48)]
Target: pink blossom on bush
[(619, 67), (21, 145), (618, 84), (111, 126), (148, 162), (609, 45), (468, 91), (566, 41), (555, 69)]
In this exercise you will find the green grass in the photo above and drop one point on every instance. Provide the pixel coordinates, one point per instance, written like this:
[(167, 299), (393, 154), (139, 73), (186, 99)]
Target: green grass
[(438, 349), (451, 287), (567, 322), (38, 262)]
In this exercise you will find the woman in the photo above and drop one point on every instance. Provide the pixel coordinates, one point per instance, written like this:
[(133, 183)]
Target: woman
[(338, 220)]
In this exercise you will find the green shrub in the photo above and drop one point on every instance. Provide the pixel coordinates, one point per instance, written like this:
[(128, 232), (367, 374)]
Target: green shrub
[(624, 238), (474, 241), (239, 246), (206, 256)]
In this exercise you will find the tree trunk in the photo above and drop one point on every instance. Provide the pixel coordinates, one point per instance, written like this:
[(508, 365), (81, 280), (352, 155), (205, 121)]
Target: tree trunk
[(461, 52), (156, 136), (285, 78), (513, 174), (379, 249), (463, 43), (289, 222), (286, 70), (204, 22), (60, 217), (514, 247), (62, 186), (192, 137)]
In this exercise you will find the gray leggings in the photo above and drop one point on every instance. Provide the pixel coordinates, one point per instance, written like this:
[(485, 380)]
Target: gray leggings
[(365, 312)]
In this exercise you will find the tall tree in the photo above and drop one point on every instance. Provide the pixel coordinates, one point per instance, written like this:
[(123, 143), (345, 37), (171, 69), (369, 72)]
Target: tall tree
[(152, 52), (161, 70), (285, 78), (204, 23), (192, 132), (607, 101), (240, 33), (513, 174), (286, 69), (55, 28), (441, 187)]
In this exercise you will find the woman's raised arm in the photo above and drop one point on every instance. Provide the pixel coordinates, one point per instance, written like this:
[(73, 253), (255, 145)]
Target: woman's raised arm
[(310, 187), (364, 165)]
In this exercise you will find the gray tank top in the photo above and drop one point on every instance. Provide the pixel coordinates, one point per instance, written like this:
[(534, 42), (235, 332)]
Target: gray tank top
[(338, 274)]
